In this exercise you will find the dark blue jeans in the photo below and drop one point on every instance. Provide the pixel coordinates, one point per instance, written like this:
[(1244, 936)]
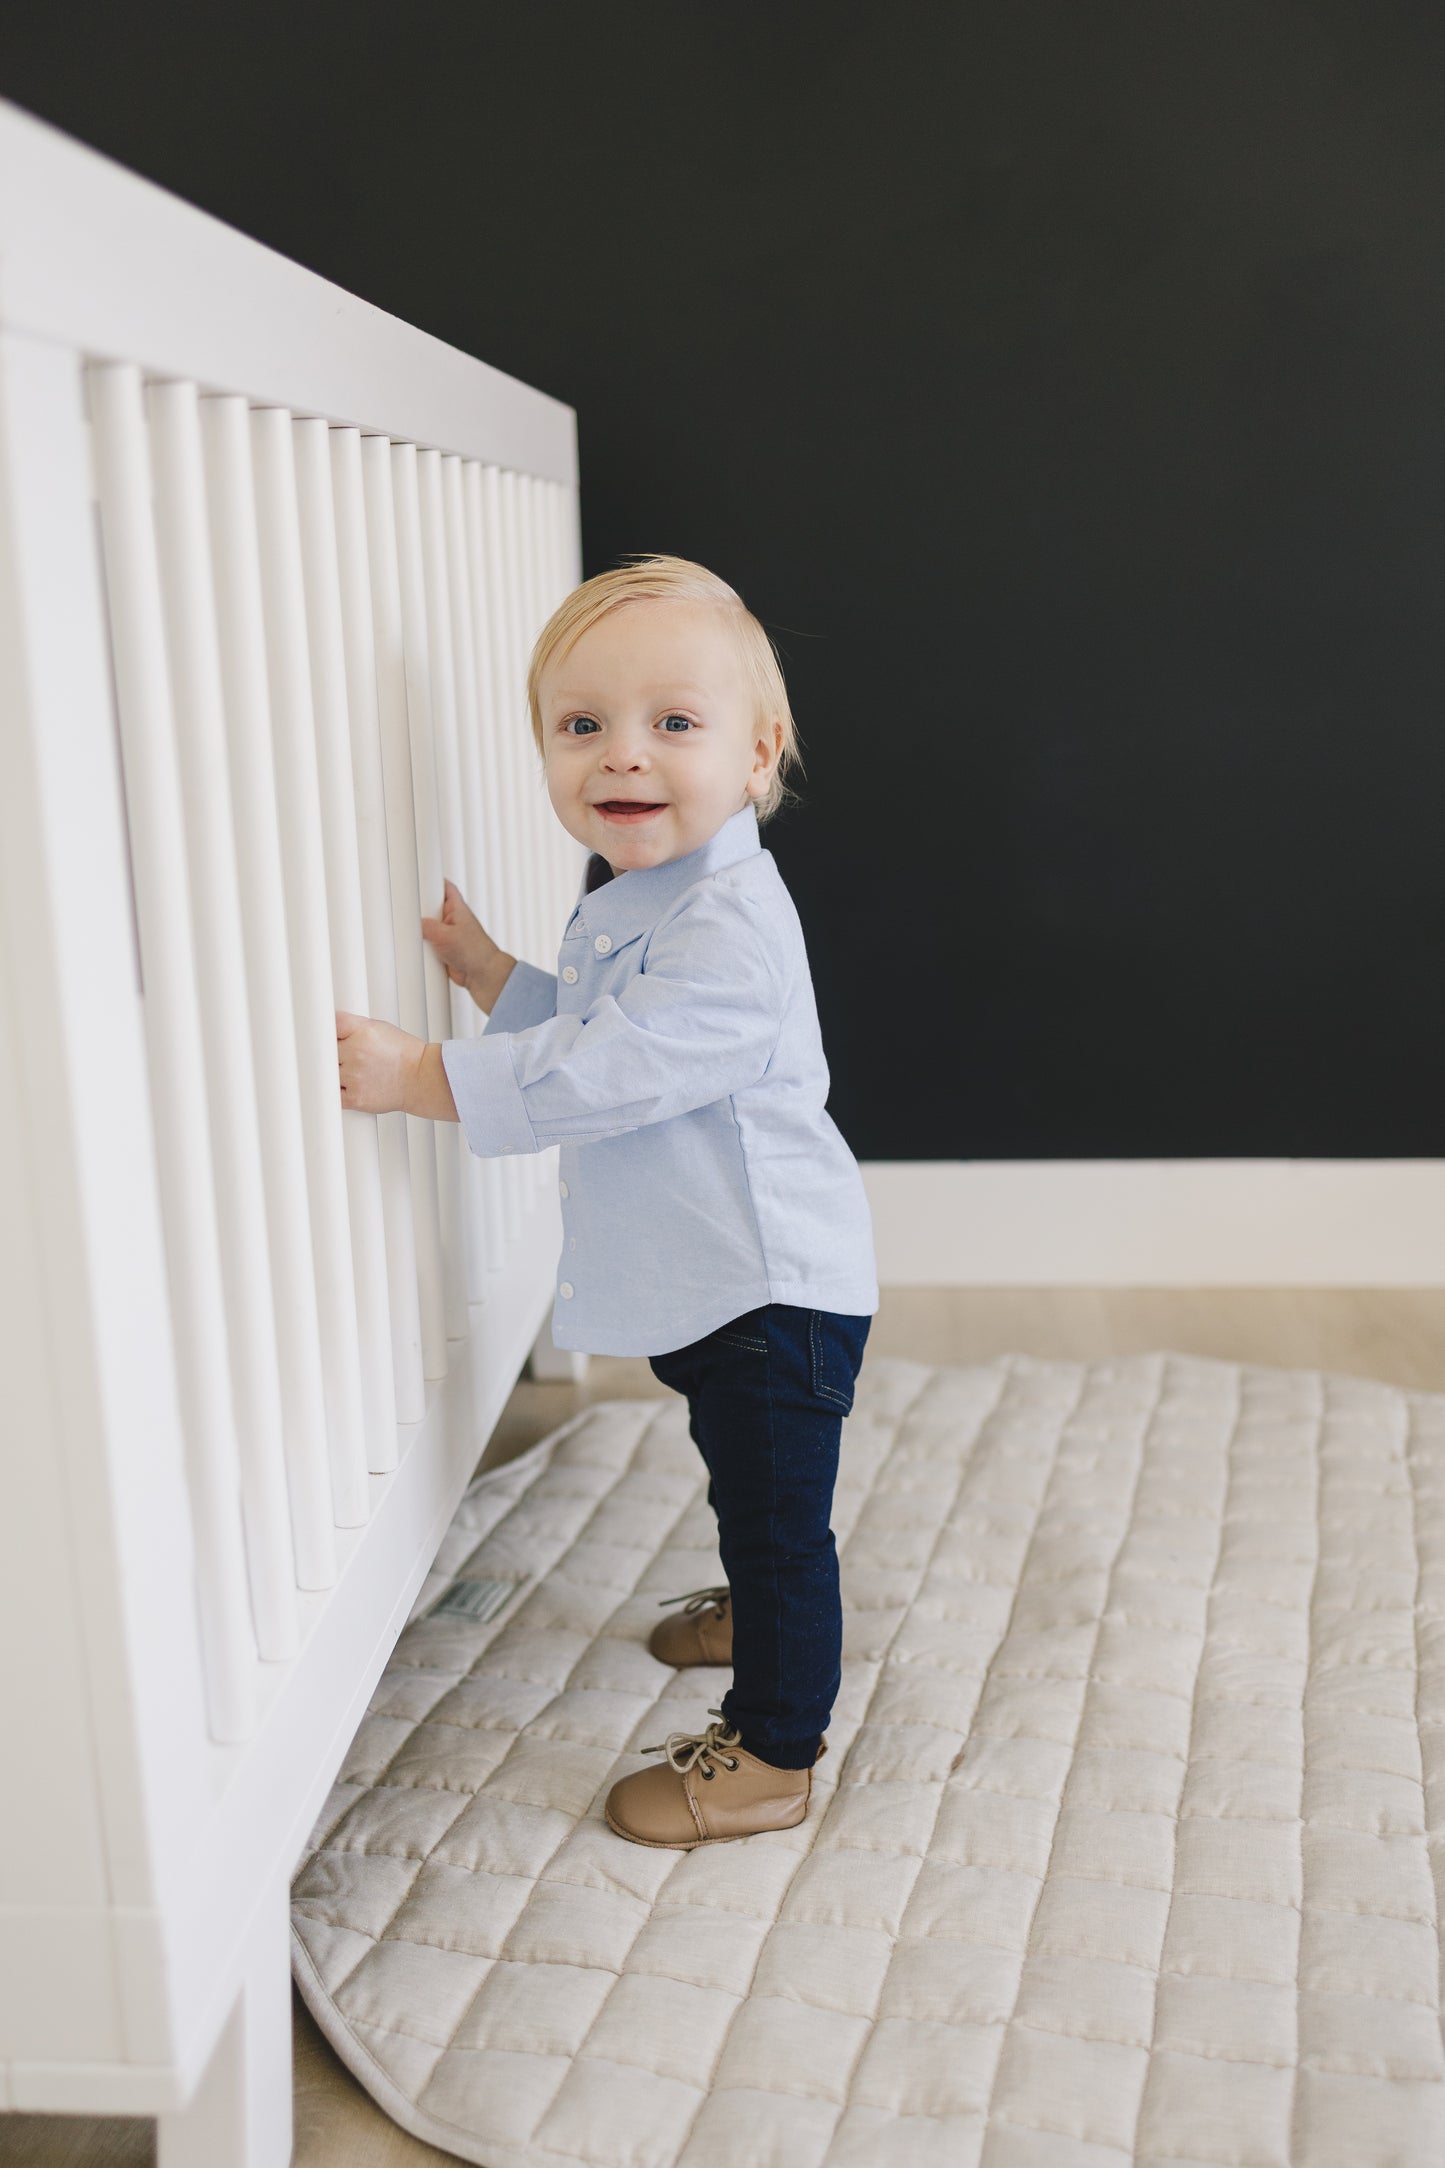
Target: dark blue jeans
[(766, 1396)]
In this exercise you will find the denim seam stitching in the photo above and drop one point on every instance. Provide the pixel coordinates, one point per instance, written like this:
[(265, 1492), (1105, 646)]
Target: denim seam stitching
[(773, 1514), (840, 1399)]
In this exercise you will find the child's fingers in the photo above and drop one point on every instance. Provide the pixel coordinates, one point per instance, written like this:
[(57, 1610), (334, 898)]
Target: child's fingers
[(345, 1027), (442, 935), (456, 908)]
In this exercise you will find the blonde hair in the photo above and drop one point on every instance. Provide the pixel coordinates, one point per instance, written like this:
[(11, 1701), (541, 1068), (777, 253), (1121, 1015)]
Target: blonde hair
[(676, 579)]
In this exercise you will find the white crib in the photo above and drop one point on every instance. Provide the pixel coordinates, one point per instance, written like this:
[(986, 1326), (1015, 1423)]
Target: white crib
[(271, 563)]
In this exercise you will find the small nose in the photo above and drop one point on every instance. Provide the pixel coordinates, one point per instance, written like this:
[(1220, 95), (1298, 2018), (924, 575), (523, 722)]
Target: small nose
[(625, 752)]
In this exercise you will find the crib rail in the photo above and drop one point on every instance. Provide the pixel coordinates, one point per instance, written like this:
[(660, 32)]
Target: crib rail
[(311, 1298), (271, 565)]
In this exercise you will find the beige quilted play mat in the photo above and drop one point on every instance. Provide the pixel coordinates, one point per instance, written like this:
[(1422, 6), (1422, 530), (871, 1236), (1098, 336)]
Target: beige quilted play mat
[(1124, 1851)]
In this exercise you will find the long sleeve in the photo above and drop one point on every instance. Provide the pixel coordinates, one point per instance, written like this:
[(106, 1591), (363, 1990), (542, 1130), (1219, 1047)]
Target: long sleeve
[(529, 996), (699, 1022)]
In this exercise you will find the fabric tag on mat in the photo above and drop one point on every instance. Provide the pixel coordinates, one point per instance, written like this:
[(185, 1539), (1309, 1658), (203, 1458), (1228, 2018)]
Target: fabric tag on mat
[(474, 1599)]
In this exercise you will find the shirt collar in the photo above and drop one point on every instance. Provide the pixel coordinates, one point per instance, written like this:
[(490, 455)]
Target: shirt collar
[(631, 902)]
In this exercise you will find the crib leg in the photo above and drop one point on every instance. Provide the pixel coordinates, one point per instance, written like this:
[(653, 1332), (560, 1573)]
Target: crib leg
[(240, 2114)]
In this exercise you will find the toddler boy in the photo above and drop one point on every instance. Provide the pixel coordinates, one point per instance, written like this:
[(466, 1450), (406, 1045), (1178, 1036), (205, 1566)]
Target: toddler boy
[(714, 1219)]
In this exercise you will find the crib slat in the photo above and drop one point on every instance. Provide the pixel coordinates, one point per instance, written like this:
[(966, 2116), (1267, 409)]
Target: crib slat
[(514, 576), (482, 1174), (195, 666), (551, 595), (534, 795), (556, 588), (443, 686), (541, 608), (508, 562), (401, 834), (569, 850), (445, 718), (553, 835), (504, 683), (348, 943), (557, 584), (231, 505), (157, 829), (492, 891), (298, 802), (423, 681), (353, 566), (527, 622), (510, 929), (447, 784), (515, 570), (554, 839)]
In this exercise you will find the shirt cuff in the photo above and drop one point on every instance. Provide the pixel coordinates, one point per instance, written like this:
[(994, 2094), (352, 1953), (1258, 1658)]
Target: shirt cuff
[(528, 996), (489, 1099)]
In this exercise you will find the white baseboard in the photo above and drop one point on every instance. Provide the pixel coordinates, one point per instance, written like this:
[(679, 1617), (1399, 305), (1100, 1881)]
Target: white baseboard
[(1159, 1222)]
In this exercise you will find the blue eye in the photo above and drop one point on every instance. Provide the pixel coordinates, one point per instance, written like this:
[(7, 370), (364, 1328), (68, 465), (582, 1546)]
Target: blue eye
[(588, 719), (685, 720)]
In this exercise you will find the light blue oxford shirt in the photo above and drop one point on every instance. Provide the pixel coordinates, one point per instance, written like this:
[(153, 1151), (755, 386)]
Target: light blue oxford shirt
[(676, 1060)]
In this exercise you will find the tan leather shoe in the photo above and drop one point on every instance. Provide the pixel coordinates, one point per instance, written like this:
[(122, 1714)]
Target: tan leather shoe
[(701, 1633), (707, 1790)]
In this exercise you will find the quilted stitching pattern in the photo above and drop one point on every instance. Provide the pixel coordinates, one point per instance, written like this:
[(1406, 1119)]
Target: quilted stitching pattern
[(1125, 1850)]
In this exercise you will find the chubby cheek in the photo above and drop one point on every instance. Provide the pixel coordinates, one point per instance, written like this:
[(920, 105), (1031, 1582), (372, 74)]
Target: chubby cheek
[(569, 806), (561, 793)]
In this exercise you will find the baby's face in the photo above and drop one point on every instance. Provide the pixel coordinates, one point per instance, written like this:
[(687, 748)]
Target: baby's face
[(650, 734)]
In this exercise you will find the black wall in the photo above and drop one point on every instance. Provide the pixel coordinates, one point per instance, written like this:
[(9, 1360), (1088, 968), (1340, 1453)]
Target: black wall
[(1062, 382)]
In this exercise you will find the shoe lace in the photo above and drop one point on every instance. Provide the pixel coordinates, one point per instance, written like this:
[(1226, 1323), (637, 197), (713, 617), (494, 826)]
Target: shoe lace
[(700, 1750), (696, 1598)]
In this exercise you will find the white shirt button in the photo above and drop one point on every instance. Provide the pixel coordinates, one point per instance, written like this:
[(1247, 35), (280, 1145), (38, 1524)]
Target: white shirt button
[(566, 1287), (569, 973), (603, 943), (571, 1242), (566, 1192)]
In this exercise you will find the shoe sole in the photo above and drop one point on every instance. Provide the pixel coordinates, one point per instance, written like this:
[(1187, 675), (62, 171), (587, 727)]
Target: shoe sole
[(681, 1844), (693, 1663)]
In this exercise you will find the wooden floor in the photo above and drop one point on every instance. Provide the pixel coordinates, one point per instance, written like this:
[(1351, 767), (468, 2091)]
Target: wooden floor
[(1397, 1335)]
